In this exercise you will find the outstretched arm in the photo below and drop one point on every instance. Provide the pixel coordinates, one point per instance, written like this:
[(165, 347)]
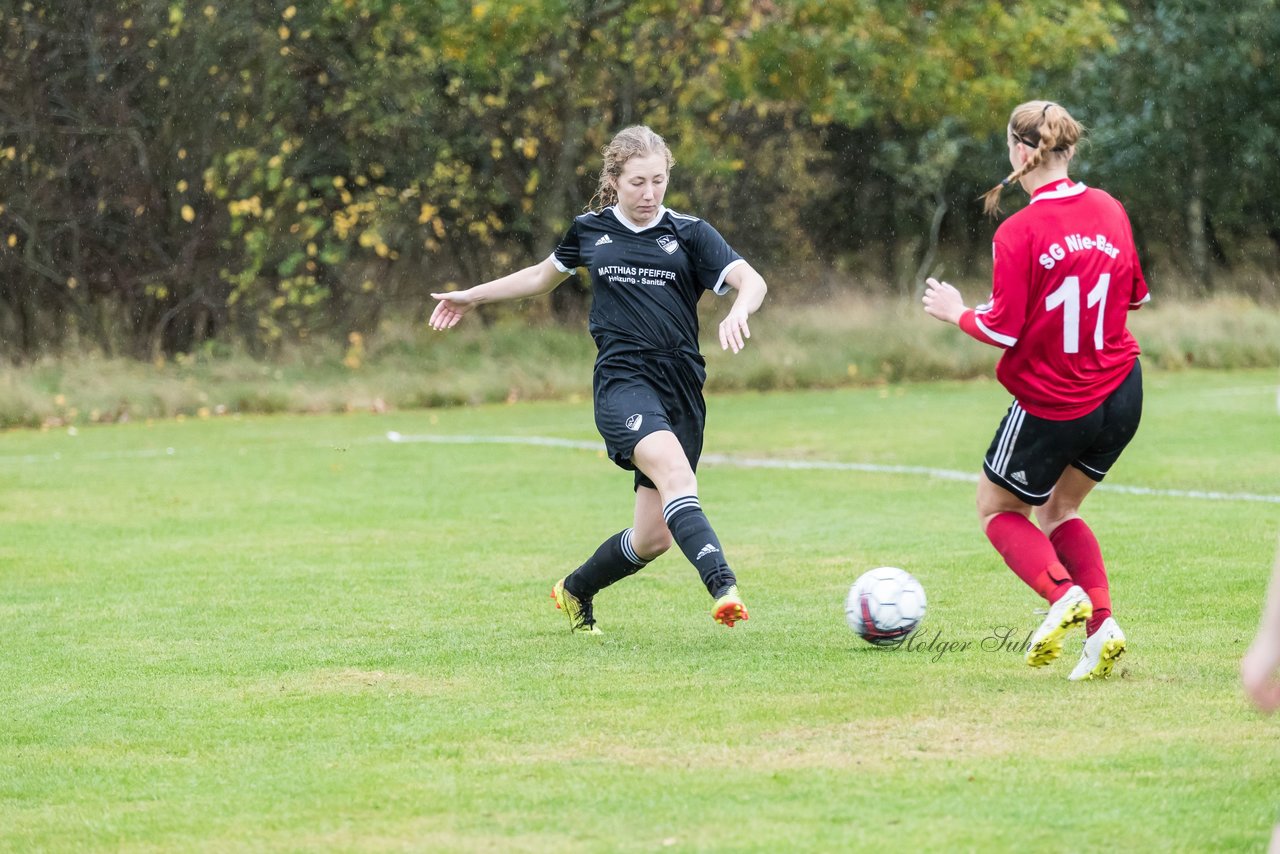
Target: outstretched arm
[(751, 290), (944, 302), (541, 278)]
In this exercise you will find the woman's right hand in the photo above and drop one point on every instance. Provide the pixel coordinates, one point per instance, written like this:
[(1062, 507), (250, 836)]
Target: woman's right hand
[(450, 308), (943, 301)]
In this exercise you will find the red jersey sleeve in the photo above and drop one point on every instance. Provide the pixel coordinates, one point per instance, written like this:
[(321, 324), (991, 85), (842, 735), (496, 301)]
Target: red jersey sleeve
[(1140, 295), (970, 326), (1000, 319)]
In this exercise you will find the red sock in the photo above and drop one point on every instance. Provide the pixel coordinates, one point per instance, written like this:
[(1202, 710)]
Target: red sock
[(1029, 554), (1078, 550)]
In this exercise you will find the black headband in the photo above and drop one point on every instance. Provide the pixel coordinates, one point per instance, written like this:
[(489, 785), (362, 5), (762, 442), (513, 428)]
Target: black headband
[(1043, 113)]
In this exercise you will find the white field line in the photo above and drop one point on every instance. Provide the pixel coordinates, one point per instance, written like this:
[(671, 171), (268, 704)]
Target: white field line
[(819, 465), (57, 456), (707, 459)]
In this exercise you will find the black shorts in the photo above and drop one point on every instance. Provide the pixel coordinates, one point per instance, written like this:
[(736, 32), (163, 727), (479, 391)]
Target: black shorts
[(636, 396), (1029, 454)]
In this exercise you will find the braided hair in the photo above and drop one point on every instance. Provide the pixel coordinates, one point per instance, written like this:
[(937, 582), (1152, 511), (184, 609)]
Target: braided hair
[(1043, 126)]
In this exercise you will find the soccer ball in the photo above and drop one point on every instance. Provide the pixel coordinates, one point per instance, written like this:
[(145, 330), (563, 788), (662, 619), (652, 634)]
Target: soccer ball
[(885, 605)]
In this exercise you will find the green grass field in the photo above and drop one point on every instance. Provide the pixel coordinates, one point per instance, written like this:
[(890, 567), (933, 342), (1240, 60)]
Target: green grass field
[(289, 633)]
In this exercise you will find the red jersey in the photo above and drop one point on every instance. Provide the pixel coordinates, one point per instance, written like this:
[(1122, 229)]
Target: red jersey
[(1066, 276)]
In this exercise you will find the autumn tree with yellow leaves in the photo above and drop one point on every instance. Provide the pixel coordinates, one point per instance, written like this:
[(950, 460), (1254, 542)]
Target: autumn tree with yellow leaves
[(177, 172)]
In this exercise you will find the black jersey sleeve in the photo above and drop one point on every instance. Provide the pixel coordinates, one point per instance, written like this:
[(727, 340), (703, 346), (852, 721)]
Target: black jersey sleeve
[(713, 257), (568, 255)]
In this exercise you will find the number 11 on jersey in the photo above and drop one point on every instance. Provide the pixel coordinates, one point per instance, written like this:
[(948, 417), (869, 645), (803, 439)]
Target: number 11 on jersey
[(1067, 295)]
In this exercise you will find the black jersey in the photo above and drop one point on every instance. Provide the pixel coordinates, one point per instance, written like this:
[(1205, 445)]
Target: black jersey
[(646, 282)]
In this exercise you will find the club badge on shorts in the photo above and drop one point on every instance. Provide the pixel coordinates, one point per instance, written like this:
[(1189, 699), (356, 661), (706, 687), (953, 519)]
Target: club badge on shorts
[(633, 423)]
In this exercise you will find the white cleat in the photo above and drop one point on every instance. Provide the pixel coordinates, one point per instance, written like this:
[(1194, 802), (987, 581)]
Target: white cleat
[(1101, 649), (1073, 609)]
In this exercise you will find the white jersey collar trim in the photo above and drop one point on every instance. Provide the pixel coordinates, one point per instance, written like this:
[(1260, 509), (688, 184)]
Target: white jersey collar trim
[(617, 212), (1062, 191)]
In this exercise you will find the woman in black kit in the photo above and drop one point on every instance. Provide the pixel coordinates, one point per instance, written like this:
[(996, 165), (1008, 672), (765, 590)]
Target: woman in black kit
[(649, 266)]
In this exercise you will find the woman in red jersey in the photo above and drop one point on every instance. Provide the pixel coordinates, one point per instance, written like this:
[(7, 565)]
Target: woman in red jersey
[(1065, 277)]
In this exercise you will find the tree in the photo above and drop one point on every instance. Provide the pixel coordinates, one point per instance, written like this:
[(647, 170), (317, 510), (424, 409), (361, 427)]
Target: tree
[(1186, 114)]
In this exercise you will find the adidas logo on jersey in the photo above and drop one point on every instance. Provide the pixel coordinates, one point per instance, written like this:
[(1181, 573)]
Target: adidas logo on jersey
[(668, 244), (603, 240), (633, 423), (708, 549), (1020, 477)]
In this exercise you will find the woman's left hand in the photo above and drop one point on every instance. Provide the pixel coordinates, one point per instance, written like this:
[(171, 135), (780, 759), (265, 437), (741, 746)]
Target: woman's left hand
[(1258, 672), (734, 331)]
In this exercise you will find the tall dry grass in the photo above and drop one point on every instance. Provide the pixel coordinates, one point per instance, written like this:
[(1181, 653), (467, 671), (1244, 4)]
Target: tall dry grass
[(841, 341)]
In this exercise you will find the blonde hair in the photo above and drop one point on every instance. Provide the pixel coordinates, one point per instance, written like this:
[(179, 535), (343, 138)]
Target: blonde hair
[(635, 141), (1043, 125)]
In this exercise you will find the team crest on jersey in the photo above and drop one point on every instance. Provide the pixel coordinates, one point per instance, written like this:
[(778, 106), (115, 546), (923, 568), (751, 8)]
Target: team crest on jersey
[(603, 240), (668, 243), (633, 423)]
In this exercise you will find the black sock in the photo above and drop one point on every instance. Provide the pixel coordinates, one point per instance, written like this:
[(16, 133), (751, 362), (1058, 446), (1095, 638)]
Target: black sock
[(613, 561), (693, 533)]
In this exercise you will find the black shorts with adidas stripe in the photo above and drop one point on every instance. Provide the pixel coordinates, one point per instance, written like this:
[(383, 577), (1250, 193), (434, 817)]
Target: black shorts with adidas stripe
[(1029, 454), (638, 394)]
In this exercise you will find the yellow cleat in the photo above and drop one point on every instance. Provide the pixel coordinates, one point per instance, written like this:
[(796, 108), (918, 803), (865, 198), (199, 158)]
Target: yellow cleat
[(1101, 649), (729, 608), (1073, 609), (581, 620)]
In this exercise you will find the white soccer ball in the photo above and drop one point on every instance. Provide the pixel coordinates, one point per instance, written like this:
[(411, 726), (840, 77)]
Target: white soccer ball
[(885, 605)]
